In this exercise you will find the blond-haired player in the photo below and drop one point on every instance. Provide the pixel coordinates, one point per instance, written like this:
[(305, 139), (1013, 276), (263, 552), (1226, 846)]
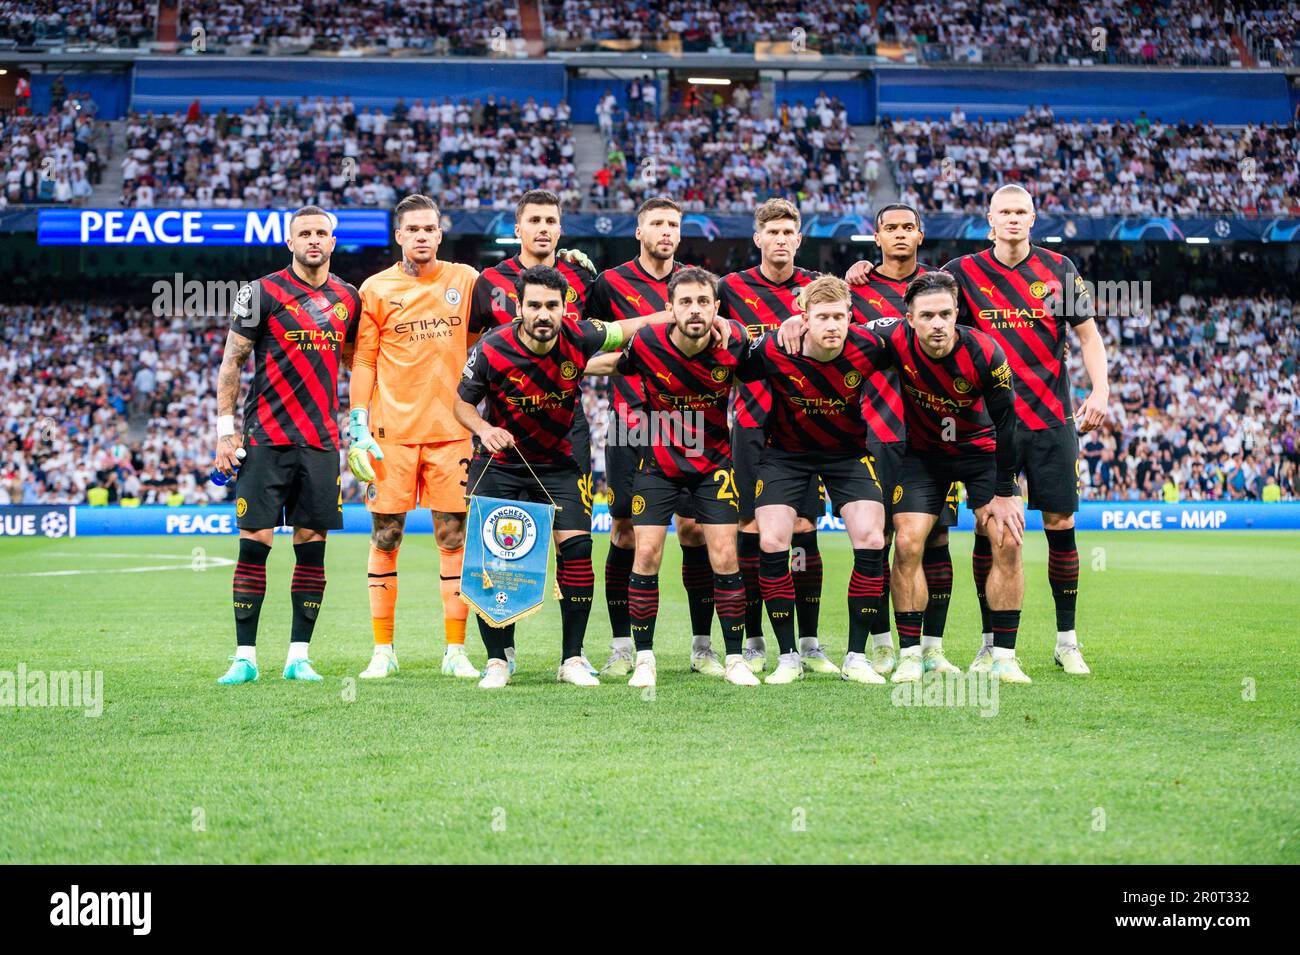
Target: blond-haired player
[(412, 342)]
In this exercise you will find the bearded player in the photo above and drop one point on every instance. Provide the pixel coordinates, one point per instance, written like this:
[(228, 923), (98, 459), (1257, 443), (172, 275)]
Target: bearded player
[(687, 379), (495, 301), (527, 375), (640, 288), (298, 324), (411, 345), (1025, 297)]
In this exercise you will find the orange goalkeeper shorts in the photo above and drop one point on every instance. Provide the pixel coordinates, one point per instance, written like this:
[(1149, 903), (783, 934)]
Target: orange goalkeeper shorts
[(422, 475)]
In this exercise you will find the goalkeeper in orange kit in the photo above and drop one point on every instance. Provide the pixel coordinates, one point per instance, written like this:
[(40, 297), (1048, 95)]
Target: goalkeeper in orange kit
[(412, 341)]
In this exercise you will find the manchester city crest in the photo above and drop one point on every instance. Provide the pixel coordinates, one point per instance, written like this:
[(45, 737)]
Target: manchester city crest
[(509, 532)]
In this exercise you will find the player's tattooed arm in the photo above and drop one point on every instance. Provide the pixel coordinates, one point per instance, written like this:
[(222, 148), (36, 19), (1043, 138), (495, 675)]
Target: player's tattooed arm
[(238, 348)]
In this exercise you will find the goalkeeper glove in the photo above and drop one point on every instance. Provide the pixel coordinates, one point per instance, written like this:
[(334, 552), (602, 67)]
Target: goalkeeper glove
[(363, 445), (576, 257)]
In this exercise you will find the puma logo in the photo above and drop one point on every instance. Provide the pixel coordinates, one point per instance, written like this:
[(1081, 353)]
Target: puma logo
[(635, 300), (751, 302), (383, 586), (518, 380), (800, 383), (395, 304), (878, 302), (666, 379), (986, 289), (292, 309)]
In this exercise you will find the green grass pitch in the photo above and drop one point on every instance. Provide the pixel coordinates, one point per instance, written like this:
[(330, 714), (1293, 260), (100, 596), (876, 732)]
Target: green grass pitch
[(1160, 756)]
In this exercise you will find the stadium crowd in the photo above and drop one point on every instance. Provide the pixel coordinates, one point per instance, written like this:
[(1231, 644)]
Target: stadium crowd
[(113, 403), (466, 155), (463, 27), (58, 156), (106, 23), (1144, 167), (729, 157), (821, 25)]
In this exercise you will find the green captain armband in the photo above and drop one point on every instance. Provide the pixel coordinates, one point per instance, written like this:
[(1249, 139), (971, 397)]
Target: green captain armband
[(613, 336)]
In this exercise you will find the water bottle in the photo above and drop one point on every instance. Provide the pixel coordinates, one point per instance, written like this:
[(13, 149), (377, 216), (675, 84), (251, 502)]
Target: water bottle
[(220, 479)]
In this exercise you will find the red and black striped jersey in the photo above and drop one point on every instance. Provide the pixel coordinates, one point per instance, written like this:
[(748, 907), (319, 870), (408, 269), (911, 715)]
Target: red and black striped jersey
[(882, 297), (816, 405), (1025, 309), (532, 396), (761, 306), (960, 404), (628, 291), (687, 399), (298, 334), (495, 299)]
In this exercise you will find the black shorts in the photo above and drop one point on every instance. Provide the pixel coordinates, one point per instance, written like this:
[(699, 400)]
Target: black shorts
[(288, 485), (924, 482), (1049, 460), (567, 486), (746, 452), (888, 459), (622, 462), (713, 497), (783, 478)]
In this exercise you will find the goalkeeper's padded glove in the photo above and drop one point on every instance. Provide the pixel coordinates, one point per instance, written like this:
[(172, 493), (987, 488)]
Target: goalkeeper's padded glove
[(362, 445), (576, 257)]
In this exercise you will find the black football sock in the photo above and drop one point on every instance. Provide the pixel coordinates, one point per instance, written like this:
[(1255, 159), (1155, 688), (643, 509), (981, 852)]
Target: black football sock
[(308, 589), (937, 564), (806, 572), (697, 578), (618, 565), (882, 617), (778, 593), (643, 607), (577, 584), (729, 598), (908, 623), (1005, 624), (1063, 575), (866, 583), (749, 560), (494, 638), (981, 562), (249, 589)]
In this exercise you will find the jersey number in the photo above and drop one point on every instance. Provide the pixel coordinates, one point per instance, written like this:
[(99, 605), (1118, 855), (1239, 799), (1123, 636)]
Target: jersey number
[(727, 492)]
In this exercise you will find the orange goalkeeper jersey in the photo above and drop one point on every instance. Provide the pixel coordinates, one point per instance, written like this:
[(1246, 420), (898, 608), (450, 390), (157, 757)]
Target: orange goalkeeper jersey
[(413, 332)]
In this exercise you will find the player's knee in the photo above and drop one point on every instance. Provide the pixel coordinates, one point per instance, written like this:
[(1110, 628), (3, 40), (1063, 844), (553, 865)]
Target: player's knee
[(576, 548), (621, 533), (1057, 522), (689, 534), (909, 541), (450, 537), (773, 543), (803, 525)]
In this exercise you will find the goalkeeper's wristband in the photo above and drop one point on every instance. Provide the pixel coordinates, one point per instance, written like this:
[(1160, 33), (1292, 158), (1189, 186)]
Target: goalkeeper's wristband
[(225, 425)]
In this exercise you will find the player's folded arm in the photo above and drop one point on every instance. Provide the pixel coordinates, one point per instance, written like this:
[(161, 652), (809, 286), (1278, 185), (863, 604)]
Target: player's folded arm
[(1000, 402), (753, 365)]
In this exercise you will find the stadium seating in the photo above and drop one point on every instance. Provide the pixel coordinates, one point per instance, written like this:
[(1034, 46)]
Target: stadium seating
[(466, 155), (724, 159), (1098, 168)]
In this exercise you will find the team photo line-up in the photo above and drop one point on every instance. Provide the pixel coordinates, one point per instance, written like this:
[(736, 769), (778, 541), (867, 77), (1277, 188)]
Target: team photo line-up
[(885, 391)]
